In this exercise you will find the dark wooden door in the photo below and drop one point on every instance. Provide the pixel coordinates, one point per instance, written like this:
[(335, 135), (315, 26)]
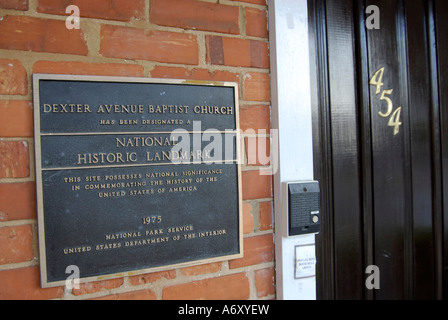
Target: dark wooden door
[(380, 108)]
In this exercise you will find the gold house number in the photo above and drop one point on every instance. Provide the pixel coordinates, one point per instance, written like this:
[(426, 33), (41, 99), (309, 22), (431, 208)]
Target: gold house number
[(394, 120)]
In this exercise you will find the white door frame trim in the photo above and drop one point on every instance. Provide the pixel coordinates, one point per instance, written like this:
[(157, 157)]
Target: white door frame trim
[(292, 117)]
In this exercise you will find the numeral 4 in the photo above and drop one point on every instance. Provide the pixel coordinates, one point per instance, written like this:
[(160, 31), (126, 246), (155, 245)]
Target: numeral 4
[(377, 80), (394, 121)]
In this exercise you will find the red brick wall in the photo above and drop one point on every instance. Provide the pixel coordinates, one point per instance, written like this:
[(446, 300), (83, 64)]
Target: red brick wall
[(218, 40)]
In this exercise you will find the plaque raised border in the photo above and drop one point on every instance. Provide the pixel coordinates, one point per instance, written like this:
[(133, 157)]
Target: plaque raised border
[(103, 227)]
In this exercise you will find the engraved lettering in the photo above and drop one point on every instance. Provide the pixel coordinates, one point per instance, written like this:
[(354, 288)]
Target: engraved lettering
[(213, 110), (66, 108), (102, 158), (124, 142), (120, 108), (168, 109)]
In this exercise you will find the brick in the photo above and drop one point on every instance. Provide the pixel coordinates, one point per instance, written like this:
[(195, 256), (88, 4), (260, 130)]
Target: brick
[(196, 74), (17, 201), (202, 269), (16, 244), (259, 249), (14, 159), (256, 186), (13, 78), (100, 69), (265, 282), (145, 294), (237, 52), (265, 216), (121, 10), (248, 218), (97, 286), (151, 277), (231, 287), (256, 117), (24, 284), (14, 4), (196, 15), (259, 2), (258, 151), (256, 23), (161, 46), (41, 35), (215, 50), (16, 118), (256, 87)]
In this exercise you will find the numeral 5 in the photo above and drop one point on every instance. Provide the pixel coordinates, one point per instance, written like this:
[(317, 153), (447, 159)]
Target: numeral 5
[(390, 105)]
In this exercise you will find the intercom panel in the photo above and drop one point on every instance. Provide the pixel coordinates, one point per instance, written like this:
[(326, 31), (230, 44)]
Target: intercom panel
[(303, 208)]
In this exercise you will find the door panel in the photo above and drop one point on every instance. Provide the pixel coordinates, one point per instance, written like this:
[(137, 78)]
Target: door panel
[(344, 155), (419, 83), (380, 147), (389, 171), (441, 118)]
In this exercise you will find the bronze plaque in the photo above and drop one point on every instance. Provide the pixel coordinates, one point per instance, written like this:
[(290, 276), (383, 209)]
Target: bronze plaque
[(135, 175)]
